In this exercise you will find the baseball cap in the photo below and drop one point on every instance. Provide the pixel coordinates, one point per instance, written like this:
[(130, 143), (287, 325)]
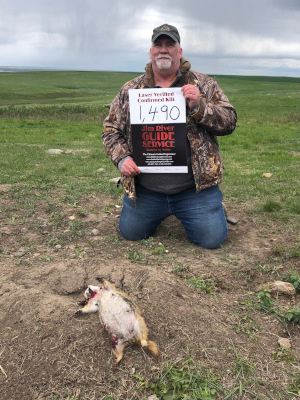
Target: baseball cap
[(168, 30)]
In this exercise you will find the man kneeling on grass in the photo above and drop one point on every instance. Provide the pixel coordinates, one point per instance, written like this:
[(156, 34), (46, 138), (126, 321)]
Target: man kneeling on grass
[(193, 197)]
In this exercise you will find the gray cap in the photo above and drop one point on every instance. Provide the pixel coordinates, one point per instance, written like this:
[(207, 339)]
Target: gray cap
[(168, 30)]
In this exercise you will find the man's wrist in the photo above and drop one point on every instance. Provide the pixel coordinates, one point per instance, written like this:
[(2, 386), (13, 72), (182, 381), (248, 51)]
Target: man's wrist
[(121, 162), (195, 112)]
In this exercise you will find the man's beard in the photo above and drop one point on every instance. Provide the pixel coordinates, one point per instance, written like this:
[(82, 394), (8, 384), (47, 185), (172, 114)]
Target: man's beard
[(163, 62)]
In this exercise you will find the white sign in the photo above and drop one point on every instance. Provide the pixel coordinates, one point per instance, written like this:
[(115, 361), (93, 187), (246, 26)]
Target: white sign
[(152, 106), (158, 125)]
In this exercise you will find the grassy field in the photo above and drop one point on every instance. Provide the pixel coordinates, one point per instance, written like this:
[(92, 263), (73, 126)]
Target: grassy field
[(59, 95), (40, 110), (219, 337)]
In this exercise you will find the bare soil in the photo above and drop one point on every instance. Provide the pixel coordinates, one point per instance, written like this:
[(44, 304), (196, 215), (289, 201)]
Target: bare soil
[(46, 352)]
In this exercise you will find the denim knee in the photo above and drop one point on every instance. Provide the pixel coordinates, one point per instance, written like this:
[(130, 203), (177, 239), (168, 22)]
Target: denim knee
[(138, 219), (213, 242)]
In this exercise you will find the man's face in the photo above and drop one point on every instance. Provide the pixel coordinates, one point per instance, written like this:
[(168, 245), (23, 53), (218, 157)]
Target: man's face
[(165, 54)]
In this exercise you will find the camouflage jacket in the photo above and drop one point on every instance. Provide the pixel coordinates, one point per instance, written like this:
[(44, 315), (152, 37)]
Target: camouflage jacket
[(215, 117)]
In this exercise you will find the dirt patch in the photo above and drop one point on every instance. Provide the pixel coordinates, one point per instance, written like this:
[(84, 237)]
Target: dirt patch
[(49, 258)]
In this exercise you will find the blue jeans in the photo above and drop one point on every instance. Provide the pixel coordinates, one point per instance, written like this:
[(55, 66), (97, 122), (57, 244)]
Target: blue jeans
[(202, 215)]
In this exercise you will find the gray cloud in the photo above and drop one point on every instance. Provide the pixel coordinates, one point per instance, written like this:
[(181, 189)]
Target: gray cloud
[(232, 36)]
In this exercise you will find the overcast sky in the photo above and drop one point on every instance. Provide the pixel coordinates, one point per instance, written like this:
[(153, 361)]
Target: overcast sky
[(237, 37)]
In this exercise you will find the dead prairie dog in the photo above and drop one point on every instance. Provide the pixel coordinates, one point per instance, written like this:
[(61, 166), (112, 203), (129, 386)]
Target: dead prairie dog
[(120, 317)]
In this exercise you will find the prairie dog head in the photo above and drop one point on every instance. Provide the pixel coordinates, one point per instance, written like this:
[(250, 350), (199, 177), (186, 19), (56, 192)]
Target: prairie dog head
[(91, 291), (92, 294)]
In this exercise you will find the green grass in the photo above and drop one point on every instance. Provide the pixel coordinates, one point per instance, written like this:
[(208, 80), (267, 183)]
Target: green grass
[(187, 380), (59, 95), (202, 283), (266, 140), (42, 110), (65, 109), (60, 87), (184, 381), (24, 159)]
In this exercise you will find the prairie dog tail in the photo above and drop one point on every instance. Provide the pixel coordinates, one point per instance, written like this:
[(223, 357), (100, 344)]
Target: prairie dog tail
[(152, 347)]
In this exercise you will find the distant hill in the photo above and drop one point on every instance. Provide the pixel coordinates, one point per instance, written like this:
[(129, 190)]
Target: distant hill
[(25, 69)]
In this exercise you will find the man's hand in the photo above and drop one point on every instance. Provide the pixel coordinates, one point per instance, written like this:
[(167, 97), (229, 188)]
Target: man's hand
[(129, 168), (192, 95)]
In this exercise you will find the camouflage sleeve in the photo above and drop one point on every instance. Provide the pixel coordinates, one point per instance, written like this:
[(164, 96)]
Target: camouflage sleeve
[(114, 134), (216, 114)]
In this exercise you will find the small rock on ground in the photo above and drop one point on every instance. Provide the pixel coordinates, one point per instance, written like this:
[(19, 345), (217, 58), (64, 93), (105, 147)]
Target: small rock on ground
[(278, 287), (284, 342), (114, 180), (54, 151)]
